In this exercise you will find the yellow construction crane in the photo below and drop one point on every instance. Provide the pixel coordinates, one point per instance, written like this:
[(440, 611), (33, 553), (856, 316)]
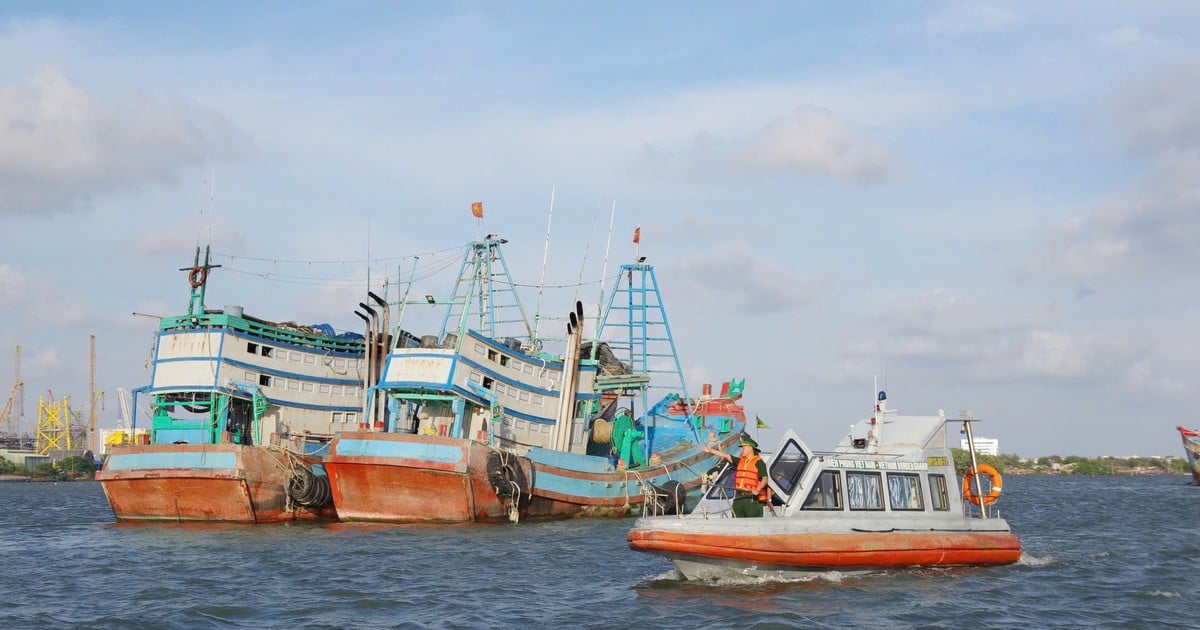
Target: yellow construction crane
[(10, 419)]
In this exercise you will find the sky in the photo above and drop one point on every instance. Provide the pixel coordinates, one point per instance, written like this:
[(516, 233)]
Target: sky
[(983, 206)]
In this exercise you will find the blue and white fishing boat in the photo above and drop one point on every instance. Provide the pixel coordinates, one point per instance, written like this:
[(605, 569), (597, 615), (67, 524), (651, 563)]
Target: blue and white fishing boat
[(1191, 447), (242, 410), (482, 422)]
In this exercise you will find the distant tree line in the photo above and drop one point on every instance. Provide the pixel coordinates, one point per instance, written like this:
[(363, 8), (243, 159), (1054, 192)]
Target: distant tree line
[(1072, 464), (67, 469)]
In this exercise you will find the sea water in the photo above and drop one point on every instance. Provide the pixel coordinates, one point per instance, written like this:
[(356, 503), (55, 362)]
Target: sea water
[(1098, 552)]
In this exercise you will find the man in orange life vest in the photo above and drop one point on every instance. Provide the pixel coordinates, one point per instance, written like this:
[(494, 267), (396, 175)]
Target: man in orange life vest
[(749, 478)]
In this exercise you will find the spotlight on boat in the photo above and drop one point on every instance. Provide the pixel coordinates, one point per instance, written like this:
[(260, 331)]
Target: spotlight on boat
[(429, 298)]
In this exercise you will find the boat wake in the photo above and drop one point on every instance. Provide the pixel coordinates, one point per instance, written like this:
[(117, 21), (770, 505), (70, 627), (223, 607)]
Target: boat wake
[(1030, 560), (725, 579)]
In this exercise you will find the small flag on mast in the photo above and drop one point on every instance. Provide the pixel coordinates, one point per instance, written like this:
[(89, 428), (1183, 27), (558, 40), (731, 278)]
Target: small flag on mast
[(637, 234), (758, 422), (477, 209)]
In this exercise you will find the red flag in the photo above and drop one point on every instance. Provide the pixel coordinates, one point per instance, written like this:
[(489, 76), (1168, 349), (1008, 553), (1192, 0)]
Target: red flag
[(637, 234), (477, 209)]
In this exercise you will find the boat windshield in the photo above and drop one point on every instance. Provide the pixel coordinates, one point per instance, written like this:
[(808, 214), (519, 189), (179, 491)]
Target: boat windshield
[(788, 466)]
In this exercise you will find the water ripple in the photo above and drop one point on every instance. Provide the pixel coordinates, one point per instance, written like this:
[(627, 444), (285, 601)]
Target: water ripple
[(1084, 565)]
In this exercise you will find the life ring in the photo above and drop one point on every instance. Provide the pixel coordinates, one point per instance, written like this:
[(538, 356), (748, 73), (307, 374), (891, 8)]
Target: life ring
[(968, 486), (197, 276)]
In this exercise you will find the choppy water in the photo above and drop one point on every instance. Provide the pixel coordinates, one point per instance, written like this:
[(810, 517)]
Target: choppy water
[(1109, 552)]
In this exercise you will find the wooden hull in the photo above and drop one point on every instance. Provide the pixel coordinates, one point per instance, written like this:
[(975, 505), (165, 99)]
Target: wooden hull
[(1191, 447), (403, 478), (203, 482), (567, 485), (824, 551)]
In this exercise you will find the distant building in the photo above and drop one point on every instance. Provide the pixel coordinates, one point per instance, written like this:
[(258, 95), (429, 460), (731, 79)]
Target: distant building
[(983, 446)]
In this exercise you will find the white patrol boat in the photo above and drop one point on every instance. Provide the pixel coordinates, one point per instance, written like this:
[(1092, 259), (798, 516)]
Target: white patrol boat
[(886, 497)]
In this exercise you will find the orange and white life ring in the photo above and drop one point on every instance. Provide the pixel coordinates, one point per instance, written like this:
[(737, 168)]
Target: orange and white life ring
[(968, 486), (197, 276)]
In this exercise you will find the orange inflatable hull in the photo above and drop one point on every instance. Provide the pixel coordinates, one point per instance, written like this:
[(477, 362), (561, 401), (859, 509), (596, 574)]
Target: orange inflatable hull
[(837, 551)]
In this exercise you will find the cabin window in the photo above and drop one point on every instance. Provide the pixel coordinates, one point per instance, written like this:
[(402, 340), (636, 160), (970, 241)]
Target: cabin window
[(516, 365), (324, 389), (479, 348), (264, 380), (339, 363), (487, 382), (475, 377), (337, 416), (504, 360), (904, 491), (826, 493), (865, 490), (492, 355), (512, 392), (937, 492), (351, 417), (282, 356), (788, 466), (525, 396), (537, 399), (308, 387), (267, 350), (295, 357), (248, 376), (252, 348), (528, 369), (308, 358), (499, 388), (294, 384)]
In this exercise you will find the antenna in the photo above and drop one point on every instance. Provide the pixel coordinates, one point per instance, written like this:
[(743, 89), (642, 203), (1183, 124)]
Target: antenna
[(537, 312), (603, 276)]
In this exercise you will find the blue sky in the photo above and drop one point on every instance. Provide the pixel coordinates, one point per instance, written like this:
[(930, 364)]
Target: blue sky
[(990, 207)]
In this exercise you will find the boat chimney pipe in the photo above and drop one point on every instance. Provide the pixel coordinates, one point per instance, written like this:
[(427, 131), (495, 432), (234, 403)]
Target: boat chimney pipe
[(366, 377), (385, 349)]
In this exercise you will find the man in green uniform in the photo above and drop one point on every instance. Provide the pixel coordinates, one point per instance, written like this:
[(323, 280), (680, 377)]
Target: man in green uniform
[(749, 478)]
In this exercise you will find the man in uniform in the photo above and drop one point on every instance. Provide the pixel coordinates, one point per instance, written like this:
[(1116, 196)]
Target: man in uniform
[(749, 478)]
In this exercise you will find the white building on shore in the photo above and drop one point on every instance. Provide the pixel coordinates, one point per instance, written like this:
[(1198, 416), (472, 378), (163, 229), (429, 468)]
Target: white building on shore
[(983, 446)]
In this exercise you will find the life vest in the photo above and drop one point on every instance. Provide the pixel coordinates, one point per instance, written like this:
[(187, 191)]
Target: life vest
[(746, 478)]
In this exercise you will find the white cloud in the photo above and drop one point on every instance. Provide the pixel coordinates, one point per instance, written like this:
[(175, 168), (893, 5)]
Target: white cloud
[(170, 240), (15, 287), (980, 342), (813, 142), (732, 278), (62, 145), (1159, 112), (970, 17), (1152, 232), (1121, 37)]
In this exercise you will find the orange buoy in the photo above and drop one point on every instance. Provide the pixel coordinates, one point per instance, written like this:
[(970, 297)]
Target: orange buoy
[(968, 486)]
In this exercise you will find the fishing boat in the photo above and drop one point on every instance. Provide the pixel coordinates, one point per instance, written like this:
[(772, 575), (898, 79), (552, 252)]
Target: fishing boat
[(884, 498), (1191, 446), (484, 423), (242, 409)]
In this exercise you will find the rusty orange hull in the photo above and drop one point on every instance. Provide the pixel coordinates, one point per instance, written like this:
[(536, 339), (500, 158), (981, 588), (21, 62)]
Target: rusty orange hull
[(202, 482), (402, 478), (824, 551)]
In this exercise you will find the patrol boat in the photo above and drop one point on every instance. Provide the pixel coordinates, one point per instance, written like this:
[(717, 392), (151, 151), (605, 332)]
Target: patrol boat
[(884, 498)]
